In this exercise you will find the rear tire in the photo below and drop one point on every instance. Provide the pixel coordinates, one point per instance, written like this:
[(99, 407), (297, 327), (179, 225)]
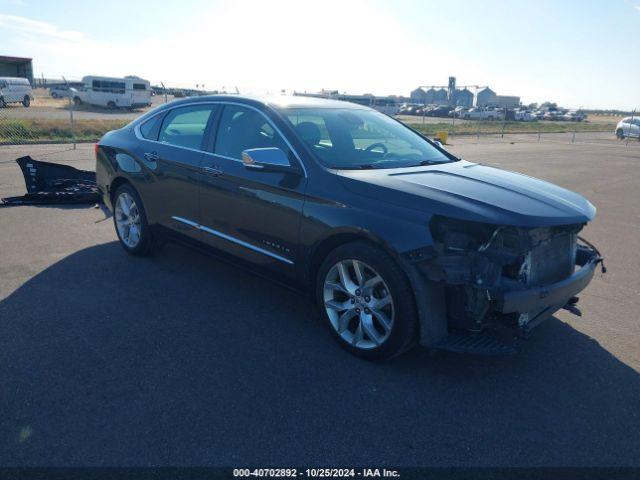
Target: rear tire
[(111, 105), (26, 101), (2, 102), (367, 301), (130, 222)]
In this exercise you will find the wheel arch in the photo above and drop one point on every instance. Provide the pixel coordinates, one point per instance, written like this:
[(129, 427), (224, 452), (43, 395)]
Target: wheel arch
[(116, 183), (429, 297), (333, 240)]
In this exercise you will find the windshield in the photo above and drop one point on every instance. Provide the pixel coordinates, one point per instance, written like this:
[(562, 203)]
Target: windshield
[(353, 138)]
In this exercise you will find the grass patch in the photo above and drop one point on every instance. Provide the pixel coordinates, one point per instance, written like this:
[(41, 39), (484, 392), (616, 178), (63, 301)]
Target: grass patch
[(34, 130), (484, 128), (19, 131)]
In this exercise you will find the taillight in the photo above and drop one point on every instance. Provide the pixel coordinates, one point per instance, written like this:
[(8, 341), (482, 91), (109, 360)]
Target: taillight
[(96, 149)]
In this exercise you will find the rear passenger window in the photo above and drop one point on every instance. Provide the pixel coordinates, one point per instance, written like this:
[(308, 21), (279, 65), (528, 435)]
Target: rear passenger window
[(184, 126), (241, 129), (149, 129)]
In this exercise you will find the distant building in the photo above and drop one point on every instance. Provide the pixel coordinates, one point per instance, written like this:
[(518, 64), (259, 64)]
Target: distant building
[(463, 98), (440, 97), (422, 96), (16, 67), (417, 95), (505, 101), (430, 95), (485, 97)]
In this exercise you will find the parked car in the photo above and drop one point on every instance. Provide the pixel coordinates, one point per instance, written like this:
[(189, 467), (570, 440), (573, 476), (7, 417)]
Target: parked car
[(127, 92), (15, 90), (408, 109), (574, 116), (628, 127), (484, 114), (63, 90), (458, 112), (439, 111), (59, 91), (539, 114), (524, 116), (552, 115), (400, 241)]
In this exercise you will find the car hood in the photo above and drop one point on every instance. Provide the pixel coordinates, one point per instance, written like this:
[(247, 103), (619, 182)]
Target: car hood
[(470, 191)]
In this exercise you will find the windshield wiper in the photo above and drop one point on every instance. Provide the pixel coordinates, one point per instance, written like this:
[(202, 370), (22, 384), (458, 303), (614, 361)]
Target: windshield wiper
[(368, 166)]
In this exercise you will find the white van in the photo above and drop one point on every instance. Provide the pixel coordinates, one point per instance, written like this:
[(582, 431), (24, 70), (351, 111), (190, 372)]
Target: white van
[(15, 90), (127, 92)]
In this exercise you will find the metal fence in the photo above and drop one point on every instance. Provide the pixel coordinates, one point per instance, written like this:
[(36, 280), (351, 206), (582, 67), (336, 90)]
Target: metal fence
[(597, 128), (53, 118)]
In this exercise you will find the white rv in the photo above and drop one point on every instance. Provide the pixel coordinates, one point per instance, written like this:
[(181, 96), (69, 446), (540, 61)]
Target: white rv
[(127, 92), (15, 90)]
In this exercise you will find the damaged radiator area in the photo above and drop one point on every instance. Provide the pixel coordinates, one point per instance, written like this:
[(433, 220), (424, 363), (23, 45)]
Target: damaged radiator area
[(477, 262)]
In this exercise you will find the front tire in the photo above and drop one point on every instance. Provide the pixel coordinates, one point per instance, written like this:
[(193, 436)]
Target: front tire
[(367, 301), (130, 222), (620, 134), (26, 101)]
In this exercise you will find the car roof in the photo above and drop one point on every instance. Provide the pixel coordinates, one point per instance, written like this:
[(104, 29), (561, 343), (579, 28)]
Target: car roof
[(278, 101)]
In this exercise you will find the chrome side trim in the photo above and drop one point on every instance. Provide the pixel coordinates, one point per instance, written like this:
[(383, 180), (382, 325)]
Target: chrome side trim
[(232, 239), (188, 222), (136, 130)]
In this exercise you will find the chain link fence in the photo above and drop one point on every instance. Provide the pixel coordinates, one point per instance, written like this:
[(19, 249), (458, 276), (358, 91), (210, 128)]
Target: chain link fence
[(50, 117), (600, 128)]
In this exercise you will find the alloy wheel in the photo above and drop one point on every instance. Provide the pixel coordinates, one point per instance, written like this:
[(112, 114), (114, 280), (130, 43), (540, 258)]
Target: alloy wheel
[(358, 303), (127, 218)]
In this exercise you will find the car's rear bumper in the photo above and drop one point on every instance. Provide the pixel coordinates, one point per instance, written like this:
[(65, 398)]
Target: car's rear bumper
[(555, 294)]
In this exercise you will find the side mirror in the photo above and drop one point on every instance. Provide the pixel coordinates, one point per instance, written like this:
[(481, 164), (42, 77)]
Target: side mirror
[(438, 143), (269, 159)]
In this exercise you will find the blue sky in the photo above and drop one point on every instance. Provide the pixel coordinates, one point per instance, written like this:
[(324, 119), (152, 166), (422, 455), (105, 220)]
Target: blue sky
[(577, 53)]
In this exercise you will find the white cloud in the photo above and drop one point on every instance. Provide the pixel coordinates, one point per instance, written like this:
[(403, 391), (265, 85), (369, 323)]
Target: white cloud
[(35, 27)]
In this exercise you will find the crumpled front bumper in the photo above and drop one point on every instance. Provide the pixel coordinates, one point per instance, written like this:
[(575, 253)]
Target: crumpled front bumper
[(559, 293)]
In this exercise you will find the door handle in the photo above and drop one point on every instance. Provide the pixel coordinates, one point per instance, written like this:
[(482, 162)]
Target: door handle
[(151, 156), (214, 172)]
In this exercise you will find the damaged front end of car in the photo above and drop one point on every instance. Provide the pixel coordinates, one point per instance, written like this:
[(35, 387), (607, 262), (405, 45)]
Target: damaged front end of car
[(505, 279)]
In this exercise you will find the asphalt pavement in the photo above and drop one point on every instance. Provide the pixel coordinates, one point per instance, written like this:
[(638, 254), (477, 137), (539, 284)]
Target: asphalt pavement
[(182, 360)]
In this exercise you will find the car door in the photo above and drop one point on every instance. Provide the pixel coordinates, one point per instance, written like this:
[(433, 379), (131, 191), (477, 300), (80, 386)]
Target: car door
[(172, 146), (252, 214)]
